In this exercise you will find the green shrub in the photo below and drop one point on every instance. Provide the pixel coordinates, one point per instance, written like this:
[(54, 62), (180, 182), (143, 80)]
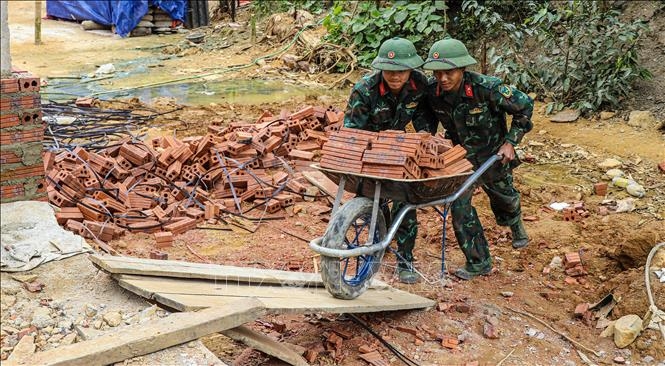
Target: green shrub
[(364, 25), (587, 59)]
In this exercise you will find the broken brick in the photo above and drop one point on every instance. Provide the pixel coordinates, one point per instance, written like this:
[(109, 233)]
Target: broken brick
[(600, 189), (572, 259), (580, 309)]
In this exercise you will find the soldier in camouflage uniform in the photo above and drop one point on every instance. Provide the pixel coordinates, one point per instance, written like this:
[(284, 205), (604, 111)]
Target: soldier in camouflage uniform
[(390, 99), (472, 108)]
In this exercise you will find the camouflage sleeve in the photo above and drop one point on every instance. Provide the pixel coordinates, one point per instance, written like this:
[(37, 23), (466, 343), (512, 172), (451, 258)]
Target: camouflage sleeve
[(423, 118), (516, 103), (357, 111)]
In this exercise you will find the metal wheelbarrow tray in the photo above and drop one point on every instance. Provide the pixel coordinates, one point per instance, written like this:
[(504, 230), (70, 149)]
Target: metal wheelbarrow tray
[(415, 191)]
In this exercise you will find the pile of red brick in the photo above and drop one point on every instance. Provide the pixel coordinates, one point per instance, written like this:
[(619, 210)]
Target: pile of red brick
[(171, 185), (393, 154), (21, 134)]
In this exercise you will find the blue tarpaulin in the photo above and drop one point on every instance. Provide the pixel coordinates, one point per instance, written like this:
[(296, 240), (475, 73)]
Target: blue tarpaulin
[(124, 14)]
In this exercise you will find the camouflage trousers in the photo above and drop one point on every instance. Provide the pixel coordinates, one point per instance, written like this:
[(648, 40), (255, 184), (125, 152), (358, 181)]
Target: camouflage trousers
[(497, 183), (406, 232)]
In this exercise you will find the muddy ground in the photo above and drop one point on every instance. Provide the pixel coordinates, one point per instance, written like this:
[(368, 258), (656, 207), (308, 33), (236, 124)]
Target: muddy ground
[(563, 166)]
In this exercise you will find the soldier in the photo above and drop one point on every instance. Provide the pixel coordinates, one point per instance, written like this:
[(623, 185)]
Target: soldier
[(472, 108), (390, 99)]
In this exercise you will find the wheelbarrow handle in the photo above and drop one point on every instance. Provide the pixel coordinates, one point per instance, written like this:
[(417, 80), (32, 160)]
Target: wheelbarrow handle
[(471, 180)]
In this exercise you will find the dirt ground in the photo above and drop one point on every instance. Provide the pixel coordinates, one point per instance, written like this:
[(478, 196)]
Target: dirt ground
[(563, 164)]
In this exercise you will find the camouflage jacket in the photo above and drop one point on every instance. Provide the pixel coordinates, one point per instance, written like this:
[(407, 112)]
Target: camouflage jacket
[(373, 107), (475, 116)]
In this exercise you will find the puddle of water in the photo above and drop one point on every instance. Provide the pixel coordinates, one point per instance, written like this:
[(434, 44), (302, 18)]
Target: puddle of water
[(241, 91)]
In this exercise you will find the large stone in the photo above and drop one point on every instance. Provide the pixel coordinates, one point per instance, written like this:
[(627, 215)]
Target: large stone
[(641, 119), (609, 163), (566, 115), (606, 115), (113, 319), (626, 329), (24, 348), (41, 317)]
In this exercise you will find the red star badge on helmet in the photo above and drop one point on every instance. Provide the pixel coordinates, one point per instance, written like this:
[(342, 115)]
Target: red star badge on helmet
[(391, 54), (435, 55)]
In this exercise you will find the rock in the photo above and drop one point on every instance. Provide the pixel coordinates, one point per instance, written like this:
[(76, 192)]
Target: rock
[(604, 116), (41, 318), (56, 338), (69, 339), (7, 301), (609, 163), (90, 25), (566, 115), (113, 318), (25, 278), (610, 174), (105, 69), (90, 310), (626, 329), (24, 348), (619, 360), (507, 294), (490, 331), (311, 192), (98, 324), (35, 286), (641, 119), (556, 263), (147, 314), (65, 324)]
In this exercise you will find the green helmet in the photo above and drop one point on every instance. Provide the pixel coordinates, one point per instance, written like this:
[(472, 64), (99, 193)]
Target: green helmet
[(397, 54), (448, 54)]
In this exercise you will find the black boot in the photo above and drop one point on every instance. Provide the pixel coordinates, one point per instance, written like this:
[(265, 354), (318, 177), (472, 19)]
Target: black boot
[(520, 238)]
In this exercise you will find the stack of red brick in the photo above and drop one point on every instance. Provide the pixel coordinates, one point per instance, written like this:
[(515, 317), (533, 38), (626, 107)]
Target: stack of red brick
[(21, 134), (170, 185), (393, 154)]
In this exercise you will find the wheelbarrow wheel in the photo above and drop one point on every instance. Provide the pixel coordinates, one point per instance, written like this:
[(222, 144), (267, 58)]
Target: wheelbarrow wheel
[(348, 278)]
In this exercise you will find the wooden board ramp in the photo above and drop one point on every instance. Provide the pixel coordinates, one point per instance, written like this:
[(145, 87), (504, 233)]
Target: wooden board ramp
[(191, 286), (203, 271), (188, 295)]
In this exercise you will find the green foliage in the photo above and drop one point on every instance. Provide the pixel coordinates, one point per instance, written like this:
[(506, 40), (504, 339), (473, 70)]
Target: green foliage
[(368, 23), (263, 8), (488, 19), (588, 57)]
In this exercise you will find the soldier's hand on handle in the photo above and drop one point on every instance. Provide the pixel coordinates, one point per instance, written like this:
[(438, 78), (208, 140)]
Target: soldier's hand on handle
[(507, 151)]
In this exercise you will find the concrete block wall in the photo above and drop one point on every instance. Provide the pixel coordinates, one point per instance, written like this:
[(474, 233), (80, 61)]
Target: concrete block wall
[(21, 135)]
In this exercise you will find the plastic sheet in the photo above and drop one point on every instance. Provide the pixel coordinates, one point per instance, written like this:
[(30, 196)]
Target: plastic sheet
[(124, 14)]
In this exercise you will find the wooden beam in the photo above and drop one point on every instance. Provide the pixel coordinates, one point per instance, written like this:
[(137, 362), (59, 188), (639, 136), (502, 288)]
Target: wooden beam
[(188, 295), (266, 345), (180, 269), (141, 339)]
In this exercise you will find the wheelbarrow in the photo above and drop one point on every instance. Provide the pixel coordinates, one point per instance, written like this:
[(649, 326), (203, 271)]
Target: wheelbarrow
[(357, 235)]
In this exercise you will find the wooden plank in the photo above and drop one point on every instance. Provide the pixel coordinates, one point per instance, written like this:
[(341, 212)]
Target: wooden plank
[(180, 269), (220, 273), (186, 295), (141, 339), (326, 185), (266, 345)]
